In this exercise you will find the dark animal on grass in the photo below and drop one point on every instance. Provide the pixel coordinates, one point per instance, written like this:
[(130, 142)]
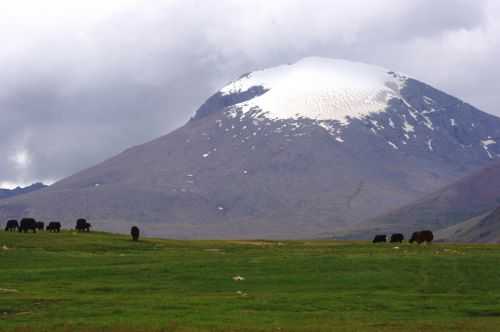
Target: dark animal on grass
[(40, 225), (82, 225), (422, 236), (380, 238), (397, 237), (134, 231), (27, 224), (54, 227), (12, 225)]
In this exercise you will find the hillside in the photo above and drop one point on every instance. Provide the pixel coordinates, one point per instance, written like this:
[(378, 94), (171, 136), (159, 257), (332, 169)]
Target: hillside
[(294, 151), (103, 282), (468, 198), (483, 228)]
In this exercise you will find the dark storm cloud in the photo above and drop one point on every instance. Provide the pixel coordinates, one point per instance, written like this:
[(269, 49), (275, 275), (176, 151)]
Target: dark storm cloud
[(82, 80)]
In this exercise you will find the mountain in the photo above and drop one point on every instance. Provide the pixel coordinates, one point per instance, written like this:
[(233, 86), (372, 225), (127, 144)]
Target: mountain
[(7, 193), (457, 206), (293, 151)]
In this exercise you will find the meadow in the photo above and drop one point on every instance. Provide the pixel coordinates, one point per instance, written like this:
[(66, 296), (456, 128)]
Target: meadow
[(105, 282)]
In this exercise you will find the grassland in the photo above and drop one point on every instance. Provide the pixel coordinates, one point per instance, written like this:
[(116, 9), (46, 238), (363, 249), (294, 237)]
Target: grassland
[(103, 282)]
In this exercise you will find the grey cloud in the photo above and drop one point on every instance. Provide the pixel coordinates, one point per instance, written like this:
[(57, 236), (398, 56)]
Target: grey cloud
[(75, 94)]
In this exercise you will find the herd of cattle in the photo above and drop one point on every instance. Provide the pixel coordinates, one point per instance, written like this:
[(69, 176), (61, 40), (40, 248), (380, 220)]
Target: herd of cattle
[(30, 224), (419, 237)]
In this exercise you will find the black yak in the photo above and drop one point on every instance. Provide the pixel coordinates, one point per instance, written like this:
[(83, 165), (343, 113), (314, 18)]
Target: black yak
[(380, 238), (54, 227), (397, 237), (40, 225), (82, 225), (134, 231), (422, 236), (27, 224), (12, 226)]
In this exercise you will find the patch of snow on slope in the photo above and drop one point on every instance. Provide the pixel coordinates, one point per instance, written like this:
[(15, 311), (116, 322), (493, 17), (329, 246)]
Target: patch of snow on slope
[(486, 143), (429, 145), (407, 127), (331, 129), (377, 125), (394, 146), (319, 88), (453, 122), (413, 115), (432, 110), (428, 100), (428, 122)]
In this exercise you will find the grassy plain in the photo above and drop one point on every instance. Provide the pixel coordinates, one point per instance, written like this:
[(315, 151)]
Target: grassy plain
[(105, 282)]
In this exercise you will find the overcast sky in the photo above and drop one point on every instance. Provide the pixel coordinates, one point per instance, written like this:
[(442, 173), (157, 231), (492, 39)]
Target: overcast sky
[(82, 80)]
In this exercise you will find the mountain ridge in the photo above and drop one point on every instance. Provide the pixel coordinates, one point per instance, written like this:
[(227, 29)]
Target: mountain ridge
[(237, 171), (7, 193)]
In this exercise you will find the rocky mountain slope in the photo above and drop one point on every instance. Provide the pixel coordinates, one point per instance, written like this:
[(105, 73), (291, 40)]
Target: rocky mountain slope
[(454, 210), (292, 151), (482, 228)]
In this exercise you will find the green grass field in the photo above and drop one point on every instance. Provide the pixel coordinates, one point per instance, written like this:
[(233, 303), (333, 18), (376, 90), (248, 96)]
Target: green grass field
[(103, 282)]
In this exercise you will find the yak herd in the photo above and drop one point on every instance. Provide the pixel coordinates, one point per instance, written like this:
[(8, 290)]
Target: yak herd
[(30, 224), (419, 237)]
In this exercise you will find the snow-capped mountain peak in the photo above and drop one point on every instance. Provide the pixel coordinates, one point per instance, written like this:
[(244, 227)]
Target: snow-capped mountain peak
[(318, 89), (351, 100), (295, 151)]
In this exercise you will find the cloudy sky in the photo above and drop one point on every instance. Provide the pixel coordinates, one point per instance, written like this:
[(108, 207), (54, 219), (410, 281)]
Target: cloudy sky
[(82, 80)]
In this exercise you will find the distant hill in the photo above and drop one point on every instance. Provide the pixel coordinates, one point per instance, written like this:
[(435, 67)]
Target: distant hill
[(8, 193), (294, 151), (464, 207), (482, 228)]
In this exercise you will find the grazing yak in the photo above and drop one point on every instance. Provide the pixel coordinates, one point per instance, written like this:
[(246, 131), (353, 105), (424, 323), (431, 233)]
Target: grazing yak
[(380, 238), (397, 237), (54, 227), (82, 225), (27, 224), (134, 232), (12, 226), (40, 225), (422, 236)]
